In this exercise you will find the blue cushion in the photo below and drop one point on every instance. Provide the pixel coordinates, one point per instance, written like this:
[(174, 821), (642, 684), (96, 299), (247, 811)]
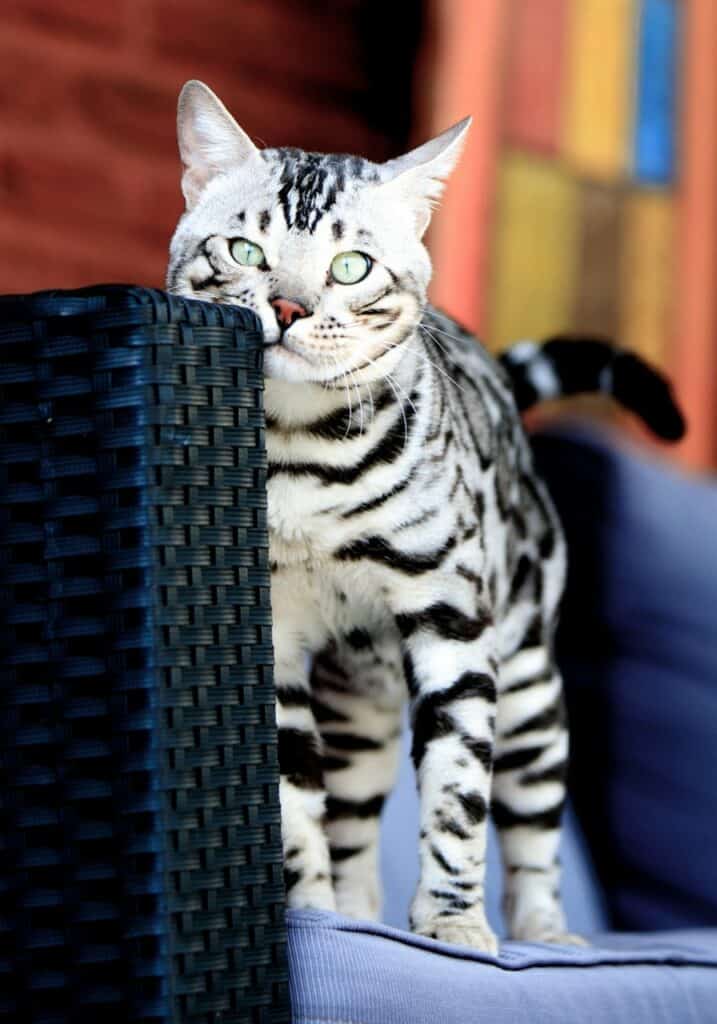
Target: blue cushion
[(351, 972), (638, 646)]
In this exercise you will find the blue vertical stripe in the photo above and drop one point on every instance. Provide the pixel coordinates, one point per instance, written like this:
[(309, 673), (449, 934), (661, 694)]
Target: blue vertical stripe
[(655, 125)]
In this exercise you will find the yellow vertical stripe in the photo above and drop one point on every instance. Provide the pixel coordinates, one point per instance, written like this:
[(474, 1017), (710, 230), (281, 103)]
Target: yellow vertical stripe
[(535, 255), (646, 274), (599, 86)]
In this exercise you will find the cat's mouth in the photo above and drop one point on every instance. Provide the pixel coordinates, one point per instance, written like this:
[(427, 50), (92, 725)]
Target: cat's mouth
[(286, 363), (296, 365), (283, 362)]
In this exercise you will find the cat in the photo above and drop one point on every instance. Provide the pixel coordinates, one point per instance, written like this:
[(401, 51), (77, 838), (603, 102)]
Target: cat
[(415, 553)]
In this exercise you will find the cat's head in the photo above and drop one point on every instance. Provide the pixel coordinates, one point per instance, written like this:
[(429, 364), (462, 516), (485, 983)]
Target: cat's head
[(326, 249)]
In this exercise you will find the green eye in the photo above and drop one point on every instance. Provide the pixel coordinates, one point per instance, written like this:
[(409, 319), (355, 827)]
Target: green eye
[(350, 267), (246, 253)]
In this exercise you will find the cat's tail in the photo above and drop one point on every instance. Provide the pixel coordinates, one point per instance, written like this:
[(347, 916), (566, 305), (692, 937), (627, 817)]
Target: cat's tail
[(575, 365)]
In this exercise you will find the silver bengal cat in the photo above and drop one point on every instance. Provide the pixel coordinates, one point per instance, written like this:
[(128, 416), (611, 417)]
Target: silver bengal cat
[(415, 553)]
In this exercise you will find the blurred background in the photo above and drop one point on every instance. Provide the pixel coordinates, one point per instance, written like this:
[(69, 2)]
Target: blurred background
[(586, 199)]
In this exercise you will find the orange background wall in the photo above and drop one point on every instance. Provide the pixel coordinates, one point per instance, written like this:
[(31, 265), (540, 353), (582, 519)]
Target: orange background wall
[(89, 173), (89, 176)]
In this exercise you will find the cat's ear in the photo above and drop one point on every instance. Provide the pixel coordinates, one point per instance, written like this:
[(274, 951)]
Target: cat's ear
[(210, 140), (421, 173)]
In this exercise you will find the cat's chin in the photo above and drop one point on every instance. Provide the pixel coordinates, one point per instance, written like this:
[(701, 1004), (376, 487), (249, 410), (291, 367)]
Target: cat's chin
[(280, 363), (286, 364), (283, 363)]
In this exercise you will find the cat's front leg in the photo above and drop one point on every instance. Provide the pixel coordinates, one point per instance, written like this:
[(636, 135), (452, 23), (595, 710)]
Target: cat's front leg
[(358, 692), (450, 665), (307, 866)]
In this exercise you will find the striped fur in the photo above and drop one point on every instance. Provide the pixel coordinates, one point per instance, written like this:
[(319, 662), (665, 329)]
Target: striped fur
[(415, 554), (574, 365)]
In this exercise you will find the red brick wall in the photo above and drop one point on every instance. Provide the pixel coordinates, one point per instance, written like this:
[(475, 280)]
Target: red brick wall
[(89, 175)]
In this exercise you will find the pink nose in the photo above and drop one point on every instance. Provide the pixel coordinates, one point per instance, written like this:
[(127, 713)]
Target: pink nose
[(287, 311)]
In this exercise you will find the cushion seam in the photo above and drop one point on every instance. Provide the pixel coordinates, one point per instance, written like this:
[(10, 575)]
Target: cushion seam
[(610, 961)]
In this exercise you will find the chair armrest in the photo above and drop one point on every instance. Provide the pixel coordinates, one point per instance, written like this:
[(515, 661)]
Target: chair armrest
[(141, 867)]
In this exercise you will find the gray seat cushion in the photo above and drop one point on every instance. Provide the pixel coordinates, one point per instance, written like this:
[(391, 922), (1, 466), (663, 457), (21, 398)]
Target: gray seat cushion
[(638, 648), (352, 972)]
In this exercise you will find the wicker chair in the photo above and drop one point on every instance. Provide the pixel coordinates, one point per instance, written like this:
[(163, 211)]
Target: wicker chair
[(141, 876)]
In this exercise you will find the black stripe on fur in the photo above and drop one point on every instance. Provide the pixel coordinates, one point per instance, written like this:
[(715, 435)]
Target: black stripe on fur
[(431, 719), (444, 620), (337, 808), (388, 449), (514, 759), (299, 758), (504, 817), (376, 549)]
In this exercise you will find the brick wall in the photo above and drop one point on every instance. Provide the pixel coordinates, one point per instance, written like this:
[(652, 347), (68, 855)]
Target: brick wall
[(89, 174)]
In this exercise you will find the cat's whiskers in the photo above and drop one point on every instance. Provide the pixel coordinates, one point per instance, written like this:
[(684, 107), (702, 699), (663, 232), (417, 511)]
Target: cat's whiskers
[(431, 333), (420, 353), (398, 391), (393, 384), (348, 376), (349, 403), (423, 355), (350, 383), (361, 323), (370, 398), (360, 401)]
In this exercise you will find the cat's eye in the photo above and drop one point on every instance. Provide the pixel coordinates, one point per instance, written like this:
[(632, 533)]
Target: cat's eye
[(350, 267), (246, 253)]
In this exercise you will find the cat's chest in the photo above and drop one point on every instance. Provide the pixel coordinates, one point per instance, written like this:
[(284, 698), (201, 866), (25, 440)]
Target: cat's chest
[(300, 519), (324, 598)]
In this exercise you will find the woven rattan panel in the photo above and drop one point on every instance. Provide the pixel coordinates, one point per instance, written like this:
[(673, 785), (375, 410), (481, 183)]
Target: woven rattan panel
[(141, 874)]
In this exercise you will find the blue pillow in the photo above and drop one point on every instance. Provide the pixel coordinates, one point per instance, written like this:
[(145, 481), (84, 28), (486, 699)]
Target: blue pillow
[(638, 647)]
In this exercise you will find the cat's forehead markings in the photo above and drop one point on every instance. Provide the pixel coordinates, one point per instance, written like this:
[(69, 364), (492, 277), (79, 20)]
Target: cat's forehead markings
[(240, 217), (362, 235), (310, 183), (264, 220)]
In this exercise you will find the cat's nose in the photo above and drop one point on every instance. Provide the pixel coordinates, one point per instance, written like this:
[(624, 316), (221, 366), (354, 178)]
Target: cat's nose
[(287, 310)]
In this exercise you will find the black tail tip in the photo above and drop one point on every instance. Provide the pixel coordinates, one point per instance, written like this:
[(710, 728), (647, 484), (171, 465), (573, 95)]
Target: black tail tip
[(644, 390)]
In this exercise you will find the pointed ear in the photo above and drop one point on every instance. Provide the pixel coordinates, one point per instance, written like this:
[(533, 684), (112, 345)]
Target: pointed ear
[(210, 140), (421, 173)]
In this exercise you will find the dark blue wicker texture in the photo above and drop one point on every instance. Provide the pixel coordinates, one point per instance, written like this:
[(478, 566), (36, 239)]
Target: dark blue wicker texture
[(141, 873)]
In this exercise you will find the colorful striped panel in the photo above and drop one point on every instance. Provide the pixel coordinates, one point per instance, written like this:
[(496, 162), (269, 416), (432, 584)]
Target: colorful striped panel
[(694, 359), (599, 86), (533, 102), (654, 144), (535, 253), (463, 75), (596, 300), (646, 274)]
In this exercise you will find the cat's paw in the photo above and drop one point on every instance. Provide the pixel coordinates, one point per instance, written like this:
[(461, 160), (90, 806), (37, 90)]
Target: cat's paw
[(567, 939), (361, 902), (554, 938), (461, 931), (544, 927)]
